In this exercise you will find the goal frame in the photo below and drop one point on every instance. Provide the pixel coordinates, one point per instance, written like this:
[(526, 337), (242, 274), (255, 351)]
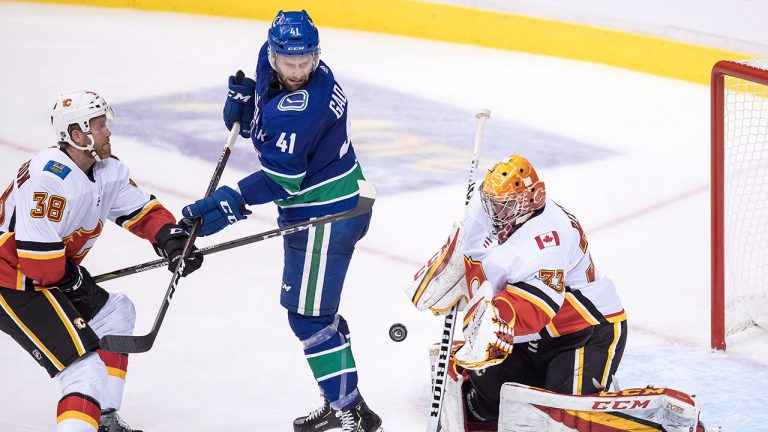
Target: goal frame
[(719, 71)]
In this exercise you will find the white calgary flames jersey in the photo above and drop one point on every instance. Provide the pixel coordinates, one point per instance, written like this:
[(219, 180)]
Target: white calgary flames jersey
[(53, 211), (543, 275)]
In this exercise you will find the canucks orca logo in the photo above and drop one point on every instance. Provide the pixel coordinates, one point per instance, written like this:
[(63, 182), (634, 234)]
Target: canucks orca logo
[(58, 169), (296, 101)]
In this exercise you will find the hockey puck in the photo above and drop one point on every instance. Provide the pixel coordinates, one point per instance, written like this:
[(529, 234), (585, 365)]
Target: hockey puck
[(398, 332)]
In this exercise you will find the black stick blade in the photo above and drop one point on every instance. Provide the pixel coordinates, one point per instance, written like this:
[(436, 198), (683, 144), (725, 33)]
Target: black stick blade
[(128, 344)]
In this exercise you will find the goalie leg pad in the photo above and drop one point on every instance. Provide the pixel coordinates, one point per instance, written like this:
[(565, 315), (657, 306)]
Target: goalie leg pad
[(529, 409), (329, 354)]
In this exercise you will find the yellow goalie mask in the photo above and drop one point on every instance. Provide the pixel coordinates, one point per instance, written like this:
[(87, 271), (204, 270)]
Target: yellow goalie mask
[(510, 193)]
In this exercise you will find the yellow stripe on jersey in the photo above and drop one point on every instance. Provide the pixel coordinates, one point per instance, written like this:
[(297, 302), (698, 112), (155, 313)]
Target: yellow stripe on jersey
[(611, 353), (552, 330), (77, 415), (570, 298), (48, 255), (127, 224), (65, 320), (5, 237), (19, 279), (533, 299), (579, 372), (7, 308)]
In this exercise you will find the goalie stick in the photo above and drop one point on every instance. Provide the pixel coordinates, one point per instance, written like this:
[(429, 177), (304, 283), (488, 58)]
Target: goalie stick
[(364, 205), (449, 323), (137, 344)]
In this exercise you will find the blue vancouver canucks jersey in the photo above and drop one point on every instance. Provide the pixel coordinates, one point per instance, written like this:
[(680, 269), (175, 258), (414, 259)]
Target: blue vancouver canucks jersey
[(309, 167)]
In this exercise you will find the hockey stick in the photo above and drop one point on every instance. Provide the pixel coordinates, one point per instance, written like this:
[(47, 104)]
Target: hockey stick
[(137, 344), (449, 324), (364, 205)]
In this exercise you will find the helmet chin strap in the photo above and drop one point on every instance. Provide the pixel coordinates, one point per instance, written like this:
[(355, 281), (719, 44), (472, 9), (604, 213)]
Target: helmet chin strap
[(89, 148)]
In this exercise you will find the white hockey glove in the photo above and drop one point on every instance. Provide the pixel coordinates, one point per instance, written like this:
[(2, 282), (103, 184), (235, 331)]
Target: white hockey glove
[(488, 338), (440, 283)]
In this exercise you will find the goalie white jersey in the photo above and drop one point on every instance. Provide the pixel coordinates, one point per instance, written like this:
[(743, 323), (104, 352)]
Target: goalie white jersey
[(61, 211), (543, 273)]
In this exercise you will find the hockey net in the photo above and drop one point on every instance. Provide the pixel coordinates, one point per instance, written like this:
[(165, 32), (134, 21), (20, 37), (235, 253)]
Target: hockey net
[(739, 198)]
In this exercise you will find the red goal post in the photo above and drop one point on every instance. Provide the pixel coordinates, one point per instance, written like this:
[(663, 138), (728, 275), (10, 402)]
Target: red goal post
[(739, 201)]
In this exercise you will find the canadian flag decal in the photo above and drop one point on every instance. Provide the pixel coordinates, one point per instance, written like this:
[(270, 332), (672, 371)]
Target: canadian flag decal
[(548, 239)]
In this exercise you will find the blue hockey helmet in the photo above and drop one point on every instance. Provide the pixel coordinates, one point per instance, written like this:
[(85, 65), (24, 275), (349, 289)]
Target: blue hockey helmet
[(293, 34)]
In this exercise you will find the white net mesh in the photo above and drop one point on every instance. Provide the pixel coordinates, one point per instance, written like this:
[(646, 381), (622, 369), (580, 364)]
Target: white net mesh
[(746, 201)]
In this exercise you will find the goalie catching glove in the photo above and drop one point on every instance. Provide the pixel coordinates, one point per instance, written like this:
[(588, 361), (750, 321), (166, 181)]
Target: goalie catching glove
[(488, 338), (441, 283)]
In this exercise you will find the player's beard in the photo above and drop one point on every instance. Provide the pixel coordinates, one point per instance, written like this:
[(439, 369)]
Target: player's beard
[(291, 84), (104, 151)]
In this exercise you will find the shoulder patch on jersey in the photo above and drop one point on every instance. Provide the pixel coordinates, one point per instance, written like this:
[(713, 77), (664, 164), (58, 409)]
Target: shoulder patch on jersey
[(296, 101), (548, 239), (57, 168)]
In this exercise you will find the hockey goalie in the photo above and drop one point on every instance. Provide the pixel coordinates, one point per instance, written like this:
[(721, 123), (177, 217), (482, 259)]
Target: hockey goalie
[(544, 331)]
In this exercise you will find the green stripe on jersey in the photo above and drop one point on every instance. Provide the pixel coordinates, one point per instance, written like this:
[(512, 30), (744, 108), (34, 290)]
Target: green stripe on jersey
[(291, 184), (331, 190), (330, 363)]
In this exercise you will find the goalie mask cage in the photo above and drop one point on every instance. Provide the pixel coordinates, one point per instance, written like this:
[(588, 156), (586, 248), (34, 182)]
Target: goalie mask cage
[(739, 197)]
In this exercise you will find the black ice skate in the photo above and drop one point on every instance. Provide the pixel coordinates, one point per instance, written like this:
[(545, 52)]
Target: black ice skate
[(321, 419), (111, 422), (359, 418)]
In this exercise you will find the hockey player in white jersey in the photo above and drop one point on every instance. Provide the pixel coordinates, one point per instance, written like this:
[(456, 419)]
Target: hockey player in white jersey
[(537, 310), (50, 216)]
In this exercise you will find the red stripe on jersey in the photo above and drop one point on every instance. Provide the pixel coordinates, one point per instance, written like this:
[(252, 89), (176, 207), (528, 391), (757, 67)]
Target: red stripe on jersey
[(45, 272), (113, 359), (79, 403), (8, 261), (149, 223), (569, 320), (529, 317)]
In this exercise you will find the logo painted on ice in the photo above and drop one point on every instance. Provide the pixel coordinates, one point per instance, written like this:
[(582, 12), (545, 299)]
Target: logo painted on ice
[(296, 101)]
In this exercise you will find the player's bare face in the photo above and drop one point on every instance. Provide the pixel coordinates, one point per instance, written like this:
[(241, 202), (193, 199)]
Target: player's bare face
[(294, 72), (100, 134)]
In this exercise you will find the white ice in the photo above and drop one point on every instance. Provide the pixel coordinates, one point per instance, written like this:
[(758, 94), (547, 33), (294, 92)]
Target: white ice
[(226, 359)]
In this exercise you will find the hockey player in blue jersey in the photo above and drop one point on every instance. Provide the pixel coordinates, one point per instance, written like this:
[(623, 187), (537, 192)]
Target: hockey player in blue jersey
[(297, 114)]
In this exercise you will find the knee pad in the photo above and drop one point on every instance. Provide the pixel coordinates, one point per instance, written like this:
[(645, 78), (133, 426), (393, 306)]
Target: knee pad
[(117, 317), (306, 327), (87, 375)]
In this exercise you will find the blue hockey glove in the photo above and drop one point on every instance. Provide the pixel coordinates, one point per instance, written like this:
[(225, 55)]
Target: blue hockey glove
[(240, 104), (223, 207)]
